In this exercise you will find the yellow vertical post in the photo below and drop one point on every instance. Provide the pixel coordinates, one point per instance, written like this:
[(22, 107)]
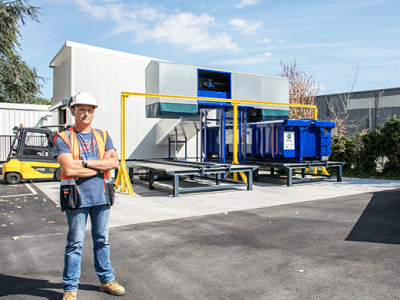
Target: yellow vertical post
[(235, 142), (123, 176), (235, 135), (315, 118)]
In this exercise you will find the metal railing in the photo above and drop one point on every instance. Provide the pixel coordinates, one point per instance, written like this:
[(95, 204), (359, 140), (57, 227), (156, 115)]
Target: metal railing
[(5, 145)]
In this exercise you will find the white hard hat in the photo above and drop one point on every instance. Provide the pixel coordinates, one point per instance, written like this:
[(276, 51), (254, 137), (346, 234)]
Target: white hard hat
[(83, 98)]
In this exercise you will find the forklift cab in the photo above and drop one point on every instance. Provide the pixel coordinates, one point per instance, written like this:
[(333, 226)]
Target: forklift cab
[(31, 156)]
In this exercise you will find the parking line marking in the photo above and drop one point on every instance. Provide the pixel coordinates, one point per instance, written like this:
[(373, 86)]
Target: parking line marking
[(31, 189), (18, 195), (46, 195)]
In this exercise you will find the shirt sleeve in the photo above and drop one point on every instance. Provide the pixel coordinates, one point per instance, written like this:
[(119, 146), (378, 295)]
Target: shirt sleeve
[(60, 147), (109, 143)]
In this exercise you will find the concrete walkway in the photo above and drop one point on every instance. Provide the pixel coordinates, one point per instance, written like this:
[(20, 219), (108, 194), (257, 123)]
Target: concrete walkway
[(156, 205)]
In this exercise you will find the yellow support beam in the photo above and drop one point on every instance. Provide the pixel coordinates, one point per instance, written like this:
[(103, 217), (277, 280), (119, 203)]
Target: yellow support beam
[(324, 171), (123, 175)]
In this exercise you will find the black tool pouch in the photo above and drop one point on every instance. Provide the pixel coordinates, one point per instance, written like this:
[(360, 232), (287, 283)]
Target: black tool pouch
[(70, 198), (110, 193)]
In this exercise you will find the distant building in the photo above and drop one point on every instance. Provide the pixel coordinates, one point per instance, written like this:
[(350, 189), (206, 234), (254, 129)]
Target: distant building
[(17, 114), (366, 108)]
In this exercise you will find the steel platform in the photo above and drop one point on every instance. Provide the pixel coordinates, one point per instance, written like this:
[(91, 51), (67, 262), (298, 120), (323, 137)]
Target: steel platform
[(205, 170), (290, 170)]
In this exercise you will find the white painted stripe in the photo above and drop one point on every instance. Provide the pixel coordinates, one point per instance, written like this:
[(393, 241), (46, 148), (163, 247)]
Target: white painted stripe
[(17, 195), (31, 189), (46, 194)]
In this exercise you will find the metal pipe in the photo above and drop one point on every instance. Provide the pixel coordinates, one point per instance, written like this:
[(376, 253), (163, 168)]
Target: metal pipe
[(176, 143)]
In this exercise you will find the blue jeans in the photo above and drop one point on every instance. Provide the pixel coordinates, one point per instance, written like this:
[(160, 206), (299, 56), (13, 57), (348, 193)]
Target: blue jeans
[(100, 217)]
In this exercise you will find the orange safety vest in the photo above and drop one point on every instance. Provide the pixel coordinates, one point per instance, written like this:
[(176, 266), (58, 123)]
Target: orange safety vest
[(69, 137)]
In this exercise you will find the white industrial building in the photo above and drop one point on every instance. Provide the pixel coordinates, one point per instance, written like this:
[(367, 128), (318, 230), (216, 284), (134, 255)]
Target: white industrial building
[(106, 73), (17, 114), (28, 115)]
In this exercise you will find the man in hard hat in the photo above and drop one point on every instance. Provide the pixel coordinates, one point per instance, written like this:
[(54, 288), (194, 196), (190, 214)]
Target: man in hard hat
[(86, 156)]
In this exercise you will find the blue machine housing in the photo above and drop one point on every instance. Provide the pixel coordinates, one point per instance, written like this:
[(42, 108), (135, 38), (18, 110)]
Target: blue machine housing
[(291, 139), (283, 140)]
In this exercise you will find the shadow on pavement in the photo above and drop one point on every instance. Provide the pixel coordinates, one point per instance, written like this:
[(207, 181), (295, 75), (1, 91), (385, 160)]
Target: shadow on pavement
[(379, 222), (12, 285)]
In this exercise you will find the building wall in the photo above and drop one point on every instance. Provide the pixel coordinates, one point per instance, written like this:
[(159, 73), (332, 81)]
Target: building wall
[(15, 114), (105, 74), (366, 108), (29, 115)]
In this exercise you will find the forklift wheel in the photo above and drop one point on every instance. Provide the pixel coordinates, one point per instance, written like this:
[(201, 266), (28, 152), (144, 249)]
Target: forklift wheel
[(57, 174), (13, 178)]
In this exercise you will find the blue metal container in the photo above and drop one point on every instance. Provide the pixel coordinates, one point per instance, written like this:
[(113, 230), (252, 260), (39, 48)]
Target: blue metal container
[(291, 139), (283, 140)]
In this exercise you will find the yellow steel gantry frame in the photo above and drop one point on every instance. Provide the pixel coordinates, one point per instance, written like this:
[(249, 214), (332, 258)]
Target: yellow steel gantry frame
[(123, 175)]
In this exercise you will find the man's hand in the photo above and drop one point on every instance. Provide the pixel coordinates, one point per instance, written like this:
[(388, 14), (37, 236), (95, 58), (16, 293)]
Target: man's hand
[(107, 154)]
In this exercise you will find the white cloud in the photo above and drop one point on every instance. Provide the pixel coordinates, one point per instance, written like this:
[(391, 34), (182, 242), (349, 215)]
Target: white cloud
[(245, 26), (244, 3), (189, 29), (96, 11), (281, 42), (150, 23), (244, 61), (264, 41)]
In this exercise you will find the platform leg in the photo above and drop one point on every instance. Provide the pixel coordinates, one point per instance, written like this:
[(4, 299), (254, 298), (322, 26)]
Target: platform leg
[(303, 173), (151, 180), (339, 174), (217, 178), (255, 174), (175, 186), (131, 171), (272, 170), (289, 173), (250, 181)]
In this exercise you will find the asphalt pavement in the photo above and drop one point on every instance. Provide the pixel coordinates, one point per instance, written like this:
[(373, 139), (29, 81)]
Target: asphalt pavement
[(324, 240)]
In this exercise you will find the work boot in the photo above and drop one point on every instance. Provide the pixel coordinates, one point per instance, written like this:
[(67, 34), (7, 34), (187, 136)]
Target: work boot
[(71, 295), (112, 287)]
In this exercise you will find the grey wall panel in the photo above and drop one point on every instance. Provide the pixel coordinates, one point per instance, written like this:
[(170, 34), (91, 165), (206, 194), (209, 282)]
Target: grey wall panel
[(178, 80), (260, 88), (171, 79), (62, 79), (152, 81), (246, 87)]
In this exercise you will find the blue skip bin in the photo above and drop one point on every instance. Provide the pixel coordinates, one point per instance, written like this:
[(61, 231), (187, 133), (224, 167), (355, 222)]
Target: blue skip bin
[(291, 140)]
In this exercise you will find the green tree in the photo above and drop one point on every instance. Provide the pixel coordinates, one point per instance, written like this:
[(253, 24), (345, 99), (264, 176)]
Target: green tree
[(18, 82)]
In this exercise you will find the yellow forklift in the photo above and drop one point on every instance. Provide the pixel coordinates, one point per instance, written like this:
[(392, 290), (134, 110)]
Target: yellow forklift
[(31, 154)]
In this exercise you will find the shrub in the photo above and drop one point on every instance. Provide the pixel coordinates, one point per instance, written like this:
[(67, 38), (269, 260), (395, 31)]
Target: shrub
[(362, 152)]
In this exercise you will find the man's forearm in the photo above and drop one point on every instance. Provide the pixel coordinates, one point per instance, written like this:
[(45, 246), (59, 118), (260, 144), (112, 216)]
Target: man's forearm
[(104, 164), (77, 170)]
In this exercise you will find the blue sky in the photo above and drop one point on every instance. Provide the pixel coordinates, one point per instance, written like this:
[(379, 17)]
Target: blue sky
[(328, 39)]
